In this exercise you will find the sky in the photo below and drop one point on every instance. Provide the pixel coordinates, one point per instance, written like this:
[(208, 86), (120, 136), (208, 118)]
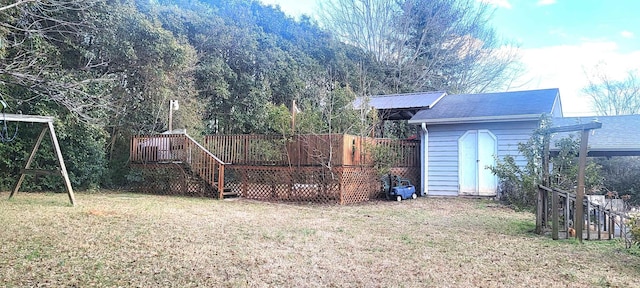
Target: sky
[(560, 41)]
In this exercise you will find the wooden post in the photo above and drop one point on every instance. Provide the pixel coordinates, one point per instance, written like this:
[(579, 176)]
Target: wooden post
[(170, 116), (542, 214), (545, 182), (220, 181), (545, 161), (173, 105), (598, 221), (294, 111), (566, 215), (554, 214), (63, 168), (539, 225), (588, 219), (582, 163), (612, 227)]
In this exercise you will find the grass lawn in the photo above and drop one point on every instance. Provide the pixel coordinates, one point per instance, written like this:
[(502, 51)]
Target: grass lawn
[(120, 239)]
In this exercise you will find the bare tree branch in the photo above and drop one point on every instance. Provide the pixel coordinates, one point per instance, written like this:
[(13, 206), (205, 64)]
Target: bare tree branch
[(613, 97), (7, 7)]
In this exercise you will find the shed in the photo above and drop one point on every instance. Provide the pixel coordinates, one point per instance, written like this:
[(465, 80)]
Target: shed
[(463, 134)]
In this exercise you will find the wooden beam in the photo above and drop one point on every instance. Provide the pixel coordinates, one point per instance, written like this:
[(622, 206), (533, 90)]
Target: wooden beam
[(40, 172), (578, 127), (26, 118)]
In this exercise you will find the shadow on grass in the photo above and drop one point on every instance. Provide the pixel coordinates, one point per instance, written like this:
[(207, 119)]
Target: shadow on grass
[(521, 227)]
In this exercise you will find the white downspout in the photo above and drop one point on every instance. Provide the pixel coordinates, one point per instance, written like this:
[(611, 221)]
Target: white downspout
[(424, 160)]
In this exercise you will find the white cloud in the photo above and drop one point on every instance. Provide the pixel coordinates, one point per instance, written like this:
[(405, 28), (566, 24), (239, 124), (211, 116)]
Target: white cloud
[(499, 3), (558, 32), (565, 67), (546, 2), (626, 34)]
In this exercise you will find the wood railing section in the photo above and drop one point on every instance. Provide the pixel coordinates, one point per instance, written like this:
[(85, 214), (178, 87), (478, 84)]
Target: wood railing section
[(308, 150), (604, 219), (179, 148)]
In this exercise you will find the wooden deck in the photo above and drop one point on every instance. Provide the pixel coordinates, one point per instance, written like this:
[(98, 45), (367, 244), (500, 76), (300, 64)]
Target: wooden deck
[(306, 168)]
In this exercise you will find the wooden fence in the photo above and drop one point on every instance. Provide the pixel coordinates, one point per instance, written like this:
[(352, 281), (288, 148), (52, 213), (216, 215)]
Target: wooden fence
[(308, 150), (601, 220)]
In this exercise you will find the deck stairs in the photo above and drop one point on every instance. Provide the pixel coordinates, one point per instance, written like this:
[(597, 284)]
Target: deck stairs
[(201, 172)]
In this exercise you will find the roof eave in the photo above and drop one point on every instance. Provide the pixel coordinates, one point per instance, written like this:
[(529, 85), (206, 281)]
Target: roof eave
[(481, 119)]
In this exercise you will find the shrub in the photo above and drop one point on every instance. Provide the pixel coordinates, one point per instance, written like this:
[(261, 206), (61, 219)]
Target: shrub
[(518, 183), (634, 224)]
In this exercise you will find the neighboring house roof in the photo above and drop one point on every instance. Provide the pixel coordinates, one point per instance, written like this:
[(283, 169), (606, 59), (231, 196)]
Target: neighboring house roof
[(617, 137), (399, 106), (502, 106)]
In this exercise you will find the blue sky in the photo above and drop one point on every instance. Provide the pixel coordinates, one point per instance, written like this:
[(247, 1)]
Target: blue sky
[(561, 41)]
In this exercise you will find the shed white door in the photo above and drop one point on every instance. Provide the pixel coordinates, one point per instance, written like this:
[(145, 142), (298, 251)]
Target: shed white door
[(476, 150)]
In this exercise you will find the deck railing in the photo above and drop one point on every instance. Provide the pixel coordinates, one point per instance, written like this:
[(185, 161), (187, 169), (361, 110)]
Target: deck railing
[(179, 148), (602, 219), (308, 150)]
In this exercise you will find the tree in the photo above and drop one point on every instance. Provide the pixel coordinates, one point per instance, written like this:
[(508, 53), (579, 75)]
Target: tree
[(614, 97), (426, 45), (42, 56)]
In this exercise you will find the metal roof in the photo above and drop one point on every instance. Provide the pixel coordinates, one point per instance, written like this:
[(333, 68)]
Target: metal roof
[(502, 106), (400, 101), (619, 135)]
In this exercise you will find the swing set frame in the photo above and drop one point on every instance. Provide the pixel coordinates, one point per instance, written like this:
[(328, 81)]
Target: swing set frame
[(61, 170)]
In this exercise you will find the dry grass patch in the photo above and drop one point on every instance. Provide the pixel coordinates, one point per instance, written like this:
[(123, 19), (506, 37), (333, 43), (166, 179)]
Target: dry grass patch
[(119, 239)]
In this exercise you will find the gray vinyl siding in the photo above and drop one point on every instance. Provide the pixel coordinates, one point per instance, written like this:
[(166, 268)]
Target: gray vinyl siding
[(443, 150)]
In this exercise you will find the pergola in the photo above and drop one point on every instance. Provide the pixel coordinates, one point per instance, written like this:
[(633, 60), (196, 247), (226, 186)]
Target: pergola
[(47, 122)]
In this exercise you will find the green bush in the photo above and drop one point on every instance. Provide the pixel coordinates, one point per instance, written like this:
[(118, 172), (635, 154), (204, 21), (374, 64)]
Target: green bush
[(635, 230), (82, 149)]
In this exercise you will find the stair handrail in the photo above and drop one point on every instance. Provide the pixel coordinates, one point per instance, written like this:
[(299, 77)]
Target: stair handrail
[(205, 150), (220, 180), (138, 155)]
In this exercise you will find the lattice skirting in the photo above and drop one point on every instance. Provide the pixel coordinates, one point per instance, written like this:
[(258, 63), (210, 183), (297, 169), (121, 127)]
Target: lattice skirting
[(171, 179), (340, 185), (411, 173), (274, 183), (359, 184)]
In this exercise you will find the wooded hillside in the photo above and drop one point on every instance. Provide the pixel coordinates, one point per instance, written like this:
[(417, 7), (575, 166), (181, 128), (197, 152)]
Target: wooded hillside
[(107, 70)]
